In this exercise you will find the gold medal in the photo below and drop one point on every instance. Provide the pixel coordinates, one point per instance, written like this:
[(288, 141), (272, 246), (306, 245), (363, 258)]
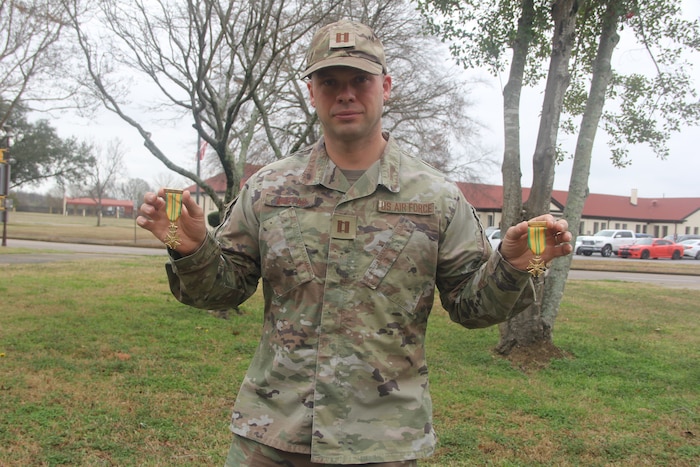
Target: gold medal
[(536, 240), (173, 208)]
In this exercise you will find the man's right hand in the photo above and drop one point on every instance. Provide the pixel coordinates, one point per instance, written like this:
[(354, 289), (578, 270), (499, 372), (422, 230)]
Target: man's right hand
[(191, 226)]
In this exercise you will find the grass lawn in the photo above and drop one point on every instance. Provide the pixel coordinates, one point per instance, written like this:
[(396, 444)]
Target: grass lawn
[(99, 365), (77, 229)]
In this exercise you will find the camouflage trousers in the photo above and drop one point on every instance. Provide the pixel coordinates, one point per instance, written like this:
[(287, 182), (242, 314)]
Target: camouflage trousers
[(247, 453)]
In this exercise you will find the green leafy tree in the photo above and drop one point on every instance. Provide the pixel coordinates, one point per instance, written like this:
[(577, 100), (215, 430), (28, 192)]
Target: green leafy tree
[(582, 92), (40, 155)]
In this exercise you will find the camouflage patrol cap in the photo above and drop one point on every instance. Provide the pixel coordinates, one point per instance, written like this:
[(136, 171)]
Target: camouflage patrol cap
[(345, 43)]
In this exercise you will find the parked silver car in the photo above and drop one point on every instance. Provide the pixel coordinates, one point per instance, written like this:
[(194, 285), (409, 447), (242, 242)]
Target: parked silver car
[(692, 248), (494, 235), (681, 238)]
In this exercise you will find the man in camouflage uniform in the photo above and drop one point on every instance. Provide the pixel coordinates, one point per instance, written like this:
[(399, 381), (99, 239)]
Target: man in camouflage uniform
[(351, 237)]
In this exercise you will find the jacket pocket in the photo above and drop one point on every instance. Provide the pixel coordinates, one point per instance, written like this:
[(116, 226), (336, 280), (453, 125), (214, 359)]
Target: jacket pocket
[(285, 263), (404, 269)]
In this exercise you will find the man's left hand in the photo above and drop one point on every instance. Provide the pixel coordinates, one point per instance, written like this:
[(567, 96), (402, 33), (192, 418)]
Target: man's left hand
[(514, 246)]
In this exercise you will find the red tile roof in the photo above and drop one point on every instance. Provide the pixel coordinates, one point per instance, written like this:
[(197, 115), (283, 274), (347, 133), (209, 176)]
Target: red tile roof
[(645, 209), (597, 206), (483, 197)]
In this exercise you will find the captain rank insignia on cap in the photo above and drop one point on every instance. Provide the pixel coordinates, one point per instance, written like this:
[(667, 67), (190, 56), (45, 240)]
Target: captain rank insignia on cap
[(340, 38)]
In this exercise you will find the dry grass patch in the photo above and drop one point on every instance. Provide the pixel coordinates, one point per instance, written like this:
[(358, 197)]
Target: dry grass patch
[(77, 229)]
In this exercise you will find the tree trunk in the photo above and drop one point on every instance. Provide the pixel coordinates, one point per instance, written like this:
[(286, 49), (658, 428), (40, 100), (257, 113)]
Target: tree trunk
[(529, 327), (545, 156), (578, 184), (512, 188)]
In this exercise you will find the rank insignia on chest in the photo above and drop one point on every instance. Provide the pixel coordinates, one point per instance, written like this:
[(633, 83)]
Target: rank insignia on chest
[(343, 227)]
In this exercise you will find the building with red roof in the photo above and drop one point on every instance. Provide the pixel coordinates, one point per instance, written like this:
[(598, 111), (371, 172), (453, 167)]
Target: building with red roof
[(656, 216), (88, 207)]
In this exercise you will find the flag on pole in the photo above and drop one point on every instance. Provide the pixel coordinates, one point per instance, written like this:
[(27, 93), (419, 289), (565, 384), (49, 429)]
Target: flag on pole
[(202, 149)]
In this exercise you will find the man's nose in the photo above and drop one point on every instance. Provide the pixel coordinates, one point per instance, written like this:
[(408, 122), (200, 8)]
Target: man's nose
[(346, 93)]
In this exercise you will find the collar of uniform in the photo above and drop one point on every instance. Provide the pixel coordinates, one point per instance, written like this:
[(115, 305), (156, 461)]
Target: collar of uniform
[(390, 165), (320, 169)]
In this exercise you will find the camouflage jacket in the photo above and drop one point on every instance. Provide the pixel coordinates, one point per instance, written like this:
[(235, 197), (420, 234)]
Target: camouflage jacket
[(349, 275)]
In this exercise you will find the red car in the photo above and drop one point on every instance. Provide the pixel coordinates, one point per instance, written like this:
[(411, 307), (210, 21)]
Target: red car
[(654, 248)]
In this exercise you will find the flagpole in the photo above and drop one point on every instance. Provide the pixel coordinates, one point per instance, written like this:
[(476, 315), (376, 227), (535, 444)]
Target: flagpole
[(199, 157)]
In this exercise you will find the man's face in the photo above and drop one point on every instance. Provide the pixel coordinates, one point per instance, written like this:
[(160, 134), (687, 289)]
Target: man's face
[(349, 102)]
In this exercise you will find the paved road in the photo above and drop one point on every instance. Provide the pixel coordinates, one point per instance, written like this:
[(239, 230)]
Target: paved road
[(666, 280), (73, 251), (70, 252)]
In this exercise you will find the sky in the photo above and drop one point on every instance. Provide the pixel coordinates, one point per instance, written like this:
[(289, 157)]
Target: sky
[(650, 176), (675, 177)]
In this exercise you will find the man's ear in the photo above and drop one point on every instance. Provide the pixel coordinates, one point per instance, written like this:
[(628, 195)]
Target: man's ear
[(386, 84)]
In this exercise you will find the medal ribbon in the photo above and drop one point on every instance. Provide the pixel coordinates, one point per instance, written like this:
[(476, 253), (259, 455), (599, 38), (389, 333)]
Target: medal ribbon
[(536, 238), (173, 209), (173, 204)]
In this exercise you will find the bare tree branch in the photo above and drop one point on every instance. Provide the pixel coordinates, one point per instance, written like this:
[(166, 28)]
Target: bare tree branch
[(30, 54), (233, 70)]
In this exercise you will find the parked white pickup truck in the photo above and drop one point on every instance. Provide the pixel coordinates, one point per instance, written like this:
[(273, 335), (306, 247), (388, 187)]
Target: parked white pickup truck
[(605, 242)]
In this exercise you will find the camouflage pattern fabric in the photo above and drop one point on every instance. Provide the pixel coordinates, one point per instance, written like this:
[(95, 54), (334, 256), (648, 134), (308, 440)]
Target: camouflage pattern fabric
[(346, 43), (349, 275), (245, 452)]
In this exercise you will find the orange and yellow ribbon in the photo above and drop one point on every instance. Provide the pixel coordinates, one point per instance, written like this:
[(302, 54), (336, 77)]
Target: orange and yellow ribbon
[(537, 241), (173, 209)]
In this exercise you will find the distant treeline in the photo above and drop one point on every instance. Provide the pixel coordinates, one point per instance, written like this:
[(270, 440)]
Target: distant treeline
[(36, 202)]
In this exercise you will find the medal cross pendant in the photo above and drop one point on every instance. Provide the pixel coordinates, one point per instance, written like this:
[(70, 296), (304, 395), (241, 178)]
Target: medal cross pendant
[(172, 240), (536, 266)]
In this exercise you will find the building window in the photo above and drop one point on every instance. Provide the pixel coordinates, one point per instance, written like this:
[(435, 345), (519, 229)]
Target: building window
[(490, 220), (581, 226), (664, 231), (687, 229)]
